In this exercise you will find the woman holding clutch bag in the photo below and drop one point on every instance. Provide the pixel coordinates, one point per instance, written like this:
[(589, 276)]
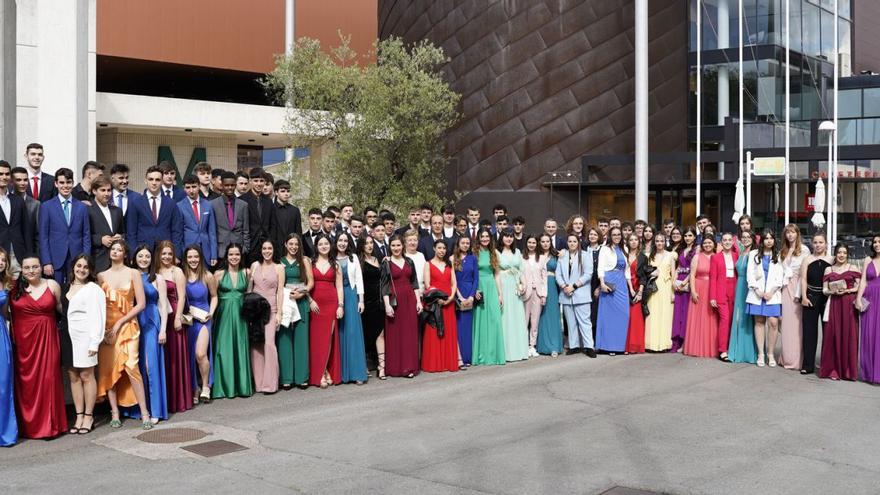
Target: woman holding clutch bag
[(636, 260), (682, 287), (702, 323), (613, 318), (488, 340), (293, 340), (840, 335), (869, 294), (464, 264), (201, 301)]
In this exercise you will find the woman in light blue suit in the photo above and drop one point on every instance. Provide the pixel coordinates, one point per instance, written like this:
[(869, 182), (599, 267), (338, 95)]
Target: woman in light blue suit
[(573, 273)]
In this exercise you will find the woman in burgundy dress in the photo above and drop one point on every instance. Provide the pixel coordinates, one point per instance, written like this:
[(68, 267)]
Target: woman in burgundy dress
[(178, 372), (39, 394), (840, 335), (399, 287), (440, 353), (326, 306)]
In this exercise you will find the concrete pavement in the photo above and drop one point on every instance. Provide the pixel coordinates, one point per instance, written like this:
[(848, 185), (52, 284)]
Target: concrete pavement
[(658, 422)]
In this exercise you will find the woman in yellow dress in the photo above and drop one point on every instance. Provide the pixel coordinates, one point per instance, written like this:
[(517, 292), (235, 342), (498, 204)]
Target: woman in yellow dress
[(119, 379), (658, 325)]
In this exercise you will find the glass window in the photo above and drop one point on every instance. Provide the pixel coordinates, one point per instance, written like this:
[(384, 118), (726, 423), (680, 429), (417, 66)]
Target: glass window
[(848, 134), (844, 35), (850, 103), (870, 131), (872, 102), (828, 35), (811, 31)]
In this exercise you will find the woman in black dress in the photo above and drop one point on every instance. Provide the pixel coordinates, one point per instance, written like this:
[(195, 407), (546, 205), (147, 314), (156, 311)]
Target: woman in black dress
[(813, 299), (373, 317)]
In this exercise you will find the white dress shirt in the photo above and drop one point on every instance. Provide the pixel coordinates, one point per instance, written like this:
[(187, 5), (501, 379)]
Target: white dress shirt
[(115, 200), (105, 210)]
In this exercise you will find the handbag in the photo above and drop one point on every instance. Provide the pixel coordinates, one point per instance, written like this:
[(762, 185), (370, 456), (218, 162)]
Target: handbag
[(865, 303), (611, 286), (392, 298), (465, 305)]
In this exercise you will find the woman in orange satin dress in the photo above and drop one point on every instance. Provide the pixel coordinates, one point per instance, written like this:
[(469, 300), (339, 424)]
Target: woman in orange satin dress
[(119, 378)]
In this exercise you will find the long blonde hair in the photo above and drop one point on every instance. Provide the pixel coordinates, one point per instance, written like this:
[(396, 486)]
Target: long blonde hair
[(788, 248)]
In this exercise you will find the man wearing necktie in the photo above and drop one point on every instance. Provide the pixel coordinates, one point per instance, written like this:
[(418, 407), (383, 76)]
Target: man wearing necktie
[(64, 229), (473, 218), (199, 227), (231, 217), (152, 218), (121, 195)]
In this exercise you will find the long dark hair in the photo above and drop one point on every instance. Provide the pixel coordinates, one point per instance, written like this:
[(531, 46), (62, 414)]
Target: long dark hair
[(361, 250), (551, 251), (610, 243), (525, 253), (759, 251), (151, 270), (874, 252), (654, 243), (21, 284), (673, 246), (507, 233), (331, 256), (5, 275), (348, 253), (232, 245), (274, 257), (200, 272), (580, 251), (493, 254), (458, 255), (298, 255)]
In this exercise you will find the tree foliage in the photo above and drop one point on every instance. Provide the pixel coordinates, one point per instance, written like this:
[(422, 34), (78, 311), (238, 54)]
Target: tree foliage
[(386, 119)]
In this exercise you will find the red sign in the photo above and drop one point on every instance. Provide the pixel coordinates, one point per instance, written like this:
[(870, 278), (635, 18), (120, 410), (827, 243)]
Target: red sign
[(809, 201)]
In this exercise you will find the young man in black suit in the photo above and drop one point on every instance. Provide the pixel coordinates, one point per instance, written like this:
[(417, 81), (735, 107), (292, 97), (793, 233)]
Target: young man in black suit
[(288, 215), (415, 216), (314, 230), (170, 189), (426, 243), (203, 172), (41, 186), (15, 226), (262, 213), (106, 222), (19, 187)]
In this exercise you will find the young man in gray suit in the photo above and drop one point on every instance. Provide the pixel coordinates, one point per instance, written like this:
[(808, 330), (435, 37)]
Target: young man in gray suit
[(231, 216)]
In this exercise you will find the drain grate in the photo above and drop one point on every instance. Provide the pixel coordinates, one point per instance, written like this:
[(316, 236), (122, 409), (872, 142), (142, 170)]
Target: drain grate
[(214, 448), (172, 435), (622, 490)]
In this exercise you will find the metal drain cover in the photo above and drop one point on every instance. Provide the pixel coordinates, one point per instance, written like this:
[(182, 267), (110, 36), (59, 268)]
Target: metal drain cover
[(172, 435), (622, 490), (214, 448)]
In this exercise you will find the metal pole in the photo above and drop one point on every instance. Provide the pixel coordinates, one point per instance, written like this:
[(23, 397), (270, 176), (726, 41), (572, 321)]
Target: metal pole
[(787, 109), (741, 77), (699, 109), (749, 183), (289, 25), (641, 172), (830, 197), (835, 134)]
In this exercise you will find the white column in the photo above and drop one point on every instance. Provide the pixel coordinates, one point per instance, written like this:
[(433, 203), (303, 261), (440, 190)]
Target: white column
[(723, 71), (641, 49), (55, 47), (836, 132), (7, 81), (289, 25)]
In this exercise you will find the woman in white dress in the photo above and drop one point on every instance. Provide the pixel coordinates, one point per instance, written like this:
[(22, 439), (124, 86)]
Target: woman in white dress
[(86, 316), (411, 245)]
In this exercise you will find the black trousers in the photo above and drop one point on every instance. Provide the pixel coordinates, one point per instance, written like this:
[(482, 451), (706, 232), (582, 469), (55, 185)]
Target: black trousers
[(810, 319)]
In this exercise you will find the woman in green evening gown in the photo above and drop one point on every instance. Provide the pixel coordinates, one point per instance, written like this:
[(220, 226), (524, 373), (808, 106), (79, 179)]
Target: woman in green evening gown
[(513, 314), (293, 340), (488, 339), (232, 363)]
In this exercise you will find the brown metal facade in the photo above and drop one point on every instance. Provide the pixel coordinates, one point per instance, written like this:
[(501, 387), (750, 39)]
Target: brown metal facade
[(545, 82)]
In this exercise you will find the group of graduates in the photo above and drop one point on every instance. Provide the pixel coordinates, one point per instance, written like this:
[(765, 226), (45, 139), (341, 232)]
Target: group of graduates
[(162, 300)]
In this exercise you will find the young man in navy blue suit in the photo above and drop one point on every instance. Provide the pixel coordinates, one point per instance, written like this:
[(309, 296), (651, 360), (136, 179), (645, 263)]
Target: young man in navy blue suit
[(170, 189), (64, 228), (199, 227), (41, 186), (152, 217)]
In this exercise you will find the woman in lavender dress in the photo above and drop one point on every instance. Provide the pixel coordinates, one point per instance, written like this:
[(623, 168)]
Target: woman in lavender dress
[(869, 292), (681, 288)]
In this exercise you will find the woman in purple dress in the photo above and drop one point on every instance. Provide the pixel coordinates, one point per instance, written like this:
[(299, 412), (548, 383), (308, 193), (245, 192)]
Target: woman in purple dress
[(869, 294), (840, 335), (681, 288)]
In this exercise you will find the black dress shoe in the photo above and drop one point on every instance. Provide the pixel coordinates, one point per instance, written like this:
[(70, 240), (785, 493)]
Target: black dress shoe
[(591, 353), (576, 350)]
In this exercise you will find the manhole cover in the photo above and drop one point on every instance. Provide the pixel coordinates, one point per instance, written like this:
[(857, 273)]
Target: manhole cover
[(622, 490), (214, 448), (172, 435)]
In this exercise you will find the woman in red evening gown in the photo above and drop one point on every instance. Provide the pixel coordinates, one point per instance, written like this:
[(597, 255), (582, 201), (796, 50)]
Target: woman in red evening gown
[(635, 336), (326, 306), (441, 353), (399, 284), (178, 374), (38, 390)]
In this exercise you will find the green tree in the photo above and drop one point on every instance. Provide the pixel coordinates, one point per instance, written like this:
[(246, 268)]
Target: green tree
[(386, 121)]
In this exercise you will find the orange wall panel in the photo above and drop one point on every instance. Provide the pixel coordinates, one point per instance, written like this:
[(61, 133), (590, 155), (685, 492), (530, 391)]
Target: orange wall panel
[(228, 34), (323, 19)]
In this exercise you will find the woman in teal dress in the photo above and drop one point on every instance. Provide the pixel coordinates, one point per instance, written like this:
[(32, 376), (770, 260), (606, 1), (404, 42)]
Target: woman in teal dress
[(513, 313), (488, 340), (742, 348), (293, 340), (353, 356), (550, 326), (232, 357)]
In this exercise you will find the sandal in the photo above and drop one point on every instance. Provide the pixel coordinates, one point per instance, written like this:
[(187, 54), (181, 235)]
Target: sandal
[(147, 424), (771, 361), (381, 366), (114, 422), (85, 431), (205, 397), (74, 430)]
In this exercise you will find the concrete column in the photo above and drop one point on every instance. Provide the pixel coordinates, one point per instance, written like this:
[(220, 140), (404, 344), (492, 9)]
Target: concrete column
[(55, 44), (641, 97), (289, 25), (723, 71), (7, 81)]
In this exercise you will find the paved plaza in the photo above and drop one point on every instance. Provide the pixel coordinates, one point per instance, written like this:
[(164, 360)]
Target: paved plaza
[(663, 423)]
